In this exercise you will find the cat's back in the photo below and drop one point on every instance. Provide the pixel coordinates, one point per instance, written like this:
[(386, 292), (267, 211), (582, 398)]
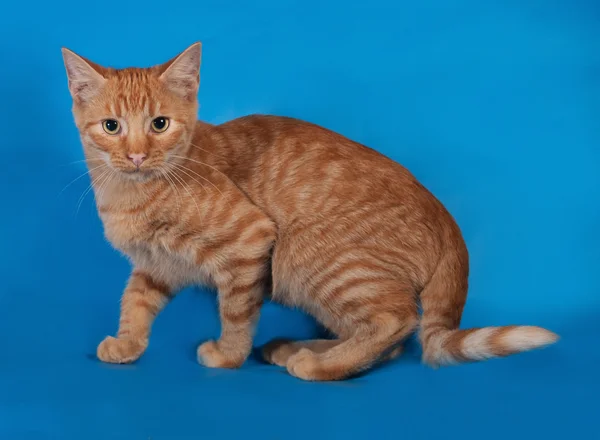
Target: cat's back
[(264, 133), (286, 154)]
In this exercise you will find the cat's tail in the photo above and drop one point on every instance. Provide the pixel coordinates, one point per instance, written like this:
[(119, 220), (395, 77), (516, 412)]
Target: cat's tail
[(442, 302), (447, 347)]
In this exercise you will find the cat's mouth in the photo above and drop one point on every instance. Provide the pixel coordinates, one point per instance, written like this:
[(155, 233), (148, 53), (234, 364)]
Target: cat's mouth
[(134, 170), (139, 174)]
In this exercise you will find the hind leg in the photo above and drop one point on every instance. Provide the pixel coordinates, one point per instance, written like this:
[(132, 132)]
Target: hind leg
[(278, 352), (353, 289), (371, 342), (392, 353)]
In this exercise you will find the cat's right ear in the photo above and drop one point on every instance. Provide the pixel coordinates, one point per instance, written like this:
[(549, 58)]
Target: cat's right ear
[(85, 77)]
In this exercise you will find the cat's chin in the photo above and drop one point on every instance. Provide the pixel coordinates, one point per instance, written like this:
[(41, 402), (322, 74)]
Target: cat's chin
[(139, 175)]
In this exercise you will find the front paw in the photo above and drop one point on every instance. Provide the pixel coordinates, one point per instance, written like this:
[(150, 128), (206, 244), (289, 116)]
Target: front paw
[(120, 350), (212, 355)]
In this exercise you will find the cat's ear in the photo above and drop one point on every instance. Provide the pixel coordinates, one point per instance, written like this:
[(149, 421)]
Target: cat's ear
[(182, 74), (85, 77)]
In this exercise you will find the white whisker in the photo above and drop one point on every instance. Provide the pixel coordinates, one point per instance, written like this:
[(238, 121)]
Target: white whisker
[(182, 168), (80, 161), (172, 185), (89, 188), (174, 167), (205, 164), (206, 151), (102, 187), (186, 187), (79, 177)]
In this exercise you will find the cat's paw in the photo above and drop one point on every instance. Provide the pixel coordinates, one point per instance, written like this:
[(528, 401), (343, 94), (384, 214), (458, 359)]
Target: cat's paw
[(278, 352), (120, 350), (212, 356), (304, 365)]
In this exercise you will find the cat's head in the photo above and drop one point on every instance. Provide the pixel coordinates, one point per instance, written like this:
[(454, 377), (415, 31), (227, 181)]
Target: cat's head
[(135, 120)]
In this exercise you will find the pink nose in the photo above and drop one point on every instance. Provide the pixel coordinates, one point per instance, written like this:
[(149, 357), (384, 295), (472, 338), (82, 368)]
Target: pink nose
[(137, 158)]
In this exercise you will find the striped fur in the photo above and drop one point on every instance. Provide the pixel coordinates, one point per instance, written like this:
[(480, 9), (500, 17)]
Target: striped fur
[(178, 225), (334, 227)]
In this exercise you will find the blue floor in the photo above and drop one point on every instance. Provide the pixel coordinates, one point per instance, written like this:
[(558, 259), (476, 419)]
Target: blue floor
[(493, 105)]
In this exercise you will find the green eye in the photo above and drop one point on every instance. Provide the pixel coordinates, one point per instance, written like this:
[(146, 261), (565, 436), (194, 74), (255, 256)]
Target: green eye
[(160, 124), (111, 126)]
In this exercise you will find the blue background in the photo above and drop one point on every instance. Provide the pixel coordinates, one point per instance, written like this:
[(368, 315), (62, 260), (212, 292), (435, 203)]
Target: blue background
[(494, 105)]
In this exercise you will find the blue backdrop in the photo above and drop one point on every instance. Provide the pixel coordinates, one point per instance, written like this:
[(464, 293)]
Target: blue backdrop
[(494, 105)]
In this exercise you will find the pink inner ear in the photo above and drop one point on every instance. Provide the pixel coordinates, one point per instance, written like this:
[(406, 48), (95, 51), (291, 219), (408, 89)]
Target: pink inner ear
[(84, 89), (185, 87), (85, 77), (79, 88), (182, 74)]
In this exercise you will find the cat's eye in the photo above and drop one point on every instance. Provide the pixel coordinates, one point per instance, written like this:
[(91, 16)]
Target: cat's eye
[(160, 124), (111, 126)]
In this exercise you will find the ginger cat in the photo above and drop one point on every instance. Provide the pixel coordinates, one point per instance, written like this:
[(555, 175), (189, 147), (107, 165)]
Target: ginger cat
[(334, 227)]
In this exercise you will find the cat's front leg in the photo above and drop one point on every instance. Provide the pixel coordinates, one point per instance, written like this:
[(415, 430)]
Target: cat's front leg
[(143, 298), (241, 292)]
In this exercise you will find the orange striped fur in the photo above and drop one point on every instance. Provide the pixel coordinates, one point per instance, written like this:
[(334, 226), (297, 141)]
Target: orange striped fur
[(263, 202)]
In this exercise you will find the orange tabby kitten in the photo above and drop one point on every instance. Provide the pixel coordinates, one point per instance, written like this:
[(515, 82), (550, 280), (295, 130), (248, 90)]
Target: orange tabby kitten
[(339, 230)]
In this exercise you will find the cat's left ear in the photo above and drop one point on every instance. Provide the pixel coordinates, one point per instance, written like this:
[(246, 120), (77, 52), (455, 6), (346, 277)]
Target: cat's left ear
[(85, 77), (182, 74)]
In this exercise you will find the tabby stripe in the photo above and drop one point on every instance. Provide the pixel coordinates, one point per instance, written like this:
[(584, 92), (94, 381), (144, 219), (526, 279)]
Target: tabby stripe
[(182, 239), (262, 235), (336, 274), (248, 262), (242, 316), (360, 252), (350, 307), (151, 283), (243, 223), (243, 289), (224, 215), (350, 284), (497, 344), (453, 344), (282, 171), (153, 309)]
